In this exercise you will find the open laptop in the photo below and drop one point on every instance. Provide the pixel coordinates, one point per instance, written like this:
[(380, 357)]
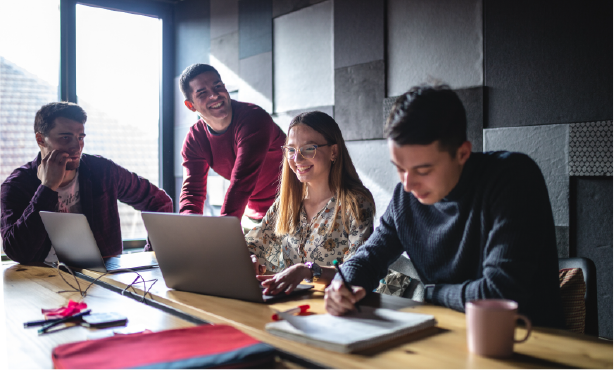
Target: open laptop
[(206, 255), (75, 246)]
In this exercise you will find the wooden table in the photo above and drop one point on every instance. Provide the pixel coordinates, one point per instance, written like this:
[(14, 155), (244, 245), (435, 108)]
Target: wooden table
[(444, 347), (27, 289)]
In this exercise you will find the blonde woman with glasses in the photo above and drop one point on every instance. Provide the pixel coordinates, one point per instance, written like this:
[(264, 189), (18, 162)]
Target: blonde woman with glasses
[(323, 211)]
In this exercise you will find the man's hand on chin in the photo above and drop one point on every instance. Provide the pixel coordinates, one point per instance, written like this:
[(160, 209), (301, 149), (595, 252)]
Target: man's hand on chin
[(52, 169)]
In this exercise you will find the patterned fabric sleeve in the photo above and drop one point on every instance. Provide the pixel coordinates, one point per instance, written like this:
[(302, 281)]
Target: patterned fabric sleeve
[(262, 241), (361, 229)]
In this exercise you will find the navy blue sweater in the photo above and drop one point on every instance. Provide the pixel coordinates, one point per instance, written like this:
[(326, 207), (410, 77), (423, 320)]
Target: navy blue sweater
[(491, 237)]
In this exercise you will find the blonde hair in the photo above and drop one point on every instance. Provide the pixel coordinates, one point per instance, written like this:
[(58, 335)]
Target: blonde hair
[(342, 179)]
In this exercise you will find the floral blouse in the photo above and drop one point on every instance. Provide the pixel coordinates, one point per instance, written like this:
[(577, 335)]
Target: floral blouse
[(311, 241)]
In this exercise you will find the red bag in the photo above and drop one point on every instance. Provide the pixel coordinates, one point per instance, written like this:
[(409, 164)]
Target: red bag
[(206, 346)]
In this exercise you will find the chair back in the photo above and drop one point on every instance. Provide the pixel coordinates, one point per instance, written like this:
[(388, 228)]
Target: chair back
[(590, 296)]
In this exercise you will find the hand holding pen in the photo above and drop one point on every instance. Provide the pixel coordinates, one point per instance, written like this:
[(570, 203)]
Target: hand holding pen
[(340, 297)]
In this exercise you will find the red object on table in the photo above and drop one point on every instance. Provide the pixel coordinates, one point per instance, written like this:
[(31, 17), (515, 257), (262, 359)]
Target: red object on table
[(70, 309)]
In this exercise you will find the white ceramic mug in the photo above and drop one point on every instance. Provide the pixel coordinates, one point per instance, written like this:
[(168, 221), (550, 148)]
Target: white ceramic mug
[(491, 325)]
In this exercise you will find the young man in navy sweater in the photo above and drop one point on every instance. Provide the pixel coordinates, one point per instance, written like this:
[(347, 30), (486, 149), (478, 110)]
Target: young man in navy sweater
[(475, 225)]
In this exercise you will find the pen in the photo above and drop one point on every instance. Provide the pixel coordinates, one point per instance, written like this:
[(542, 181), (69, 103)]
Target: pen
[(345, 282), (44, 329), (30, 324), (299, 309)]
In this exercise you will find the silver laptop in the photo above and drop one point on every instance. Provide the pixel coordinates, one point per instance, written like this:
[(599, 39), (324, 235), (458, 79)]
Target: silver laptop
[(75, 246), (206, 255)]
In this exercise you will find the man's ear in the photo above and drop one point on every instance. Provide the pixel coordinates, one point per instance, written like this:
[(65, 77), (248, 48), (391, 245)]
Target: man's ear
[(189, 105), (463, 152), (40, 139)]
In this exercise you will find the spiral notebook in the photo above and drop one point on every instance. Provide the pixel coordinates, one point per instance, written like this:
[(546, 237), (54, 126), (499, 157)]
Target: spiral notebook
[(353, 332)]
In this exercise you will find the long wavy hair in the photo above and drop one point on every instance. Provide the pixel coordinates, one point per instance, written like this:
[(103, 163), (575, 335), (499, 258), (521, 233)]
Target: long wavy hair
[(342, 179)]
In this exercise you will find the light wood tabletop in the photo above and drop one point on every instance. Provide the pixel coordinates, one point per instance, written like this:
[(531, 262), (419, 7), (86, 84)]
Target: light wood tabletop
[(28, 289), (443, 347)]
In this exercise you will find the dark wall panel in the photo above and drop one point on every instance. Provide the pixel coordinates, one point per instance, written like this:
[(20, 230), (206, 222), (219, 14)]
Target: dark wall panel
[(359, 92), (359, 32), (547, 61), (593, 238), (192, 33), (255, 27)]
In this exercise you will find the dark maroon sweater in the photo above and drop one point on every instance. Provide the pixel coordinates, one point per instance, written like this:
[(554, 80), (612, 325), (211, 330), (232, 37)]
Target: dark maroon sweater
[(248, 154), (101, 184)]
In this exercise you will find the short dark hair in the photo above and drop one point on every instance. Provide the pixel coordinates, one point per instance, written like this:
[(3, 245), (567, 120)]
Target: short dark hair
[(190, 73), (45, 117), (425, 114)]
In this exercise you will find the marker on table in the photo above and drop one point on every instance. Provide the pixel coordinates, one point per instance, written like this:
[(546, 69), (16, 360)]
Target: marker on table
[(299, 309), (345, 282), (45, 328)]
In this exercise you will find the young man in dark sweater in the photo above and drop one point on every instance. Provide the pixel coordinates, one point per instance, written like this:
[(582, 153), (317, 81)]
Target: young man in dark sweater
[(238, 140), (475, 225), (63, 179)]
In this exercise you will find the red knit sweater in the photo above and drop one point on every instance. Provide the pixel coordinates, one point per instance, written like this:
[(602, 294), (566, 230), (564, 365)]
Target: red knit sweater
[(248, 154)]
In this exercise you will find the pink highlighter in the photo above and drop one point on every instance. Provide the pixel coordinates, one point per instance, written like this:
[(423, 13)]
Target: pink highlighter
[(300, 309)]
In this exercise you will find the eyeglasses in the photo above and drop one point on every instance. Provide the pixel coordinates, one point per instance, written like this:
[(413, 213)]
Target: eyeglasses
[(307, 151)]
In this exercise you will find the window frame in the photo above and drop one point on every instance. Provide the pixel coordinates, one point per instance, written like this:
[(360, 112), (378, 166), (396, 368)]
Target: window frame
[(68, 62)]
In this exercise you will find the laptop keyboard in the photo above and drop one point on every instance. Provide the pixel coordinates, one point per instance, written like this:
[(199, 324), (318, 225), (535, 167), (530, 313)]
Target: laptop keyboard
[(112, 264)]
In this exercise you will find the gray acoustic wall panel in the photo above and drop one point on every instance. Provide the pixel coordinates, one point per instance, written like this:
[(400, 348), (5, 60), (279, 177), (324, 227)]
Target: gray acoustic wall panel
[(303, 58), (590, 149), (359, 32), (224, 17), (547, 62), (256, 80), (255, 27), (548, 147), (359, 91), (372, 161), (473, 101), (225, 58), (281, 7), (593, 239), (434, 39), (192, 33)]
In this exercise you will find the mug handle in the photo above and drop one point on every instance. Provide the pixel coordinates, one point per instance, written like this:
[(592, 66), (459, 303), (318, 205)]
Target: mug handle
[(527, 322)]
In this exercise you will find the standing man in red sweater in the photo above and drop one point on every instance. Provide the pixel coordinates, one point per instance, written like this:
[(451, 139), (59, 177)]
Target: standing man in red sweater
[(238, 140)]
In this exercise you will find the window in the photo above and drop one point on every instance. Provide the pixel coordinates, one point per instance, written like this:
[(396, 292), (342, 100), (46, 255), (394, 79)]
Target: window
[(29, 65), (118, 85), (98, 50)]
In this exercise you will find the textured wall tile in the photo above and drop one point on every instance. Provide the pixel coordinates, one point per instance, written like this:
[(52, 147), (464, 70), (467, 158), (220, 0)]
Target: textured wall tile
[(434, 39), (548, 146), (281, 7), (547, 62), (255, 27), (590, 149), (562, 241), (192, 34), (283, 119), (225, 58), (359, 91), (359, 32), (593, 239), (224, 17), (473, 101), (256, 85), (303, 58), (372, 162)]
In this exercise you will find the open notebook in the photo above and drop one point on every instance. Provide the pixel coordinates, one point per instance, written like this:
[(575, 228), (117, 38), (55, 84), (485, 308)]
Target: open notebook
[(351, 333)]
